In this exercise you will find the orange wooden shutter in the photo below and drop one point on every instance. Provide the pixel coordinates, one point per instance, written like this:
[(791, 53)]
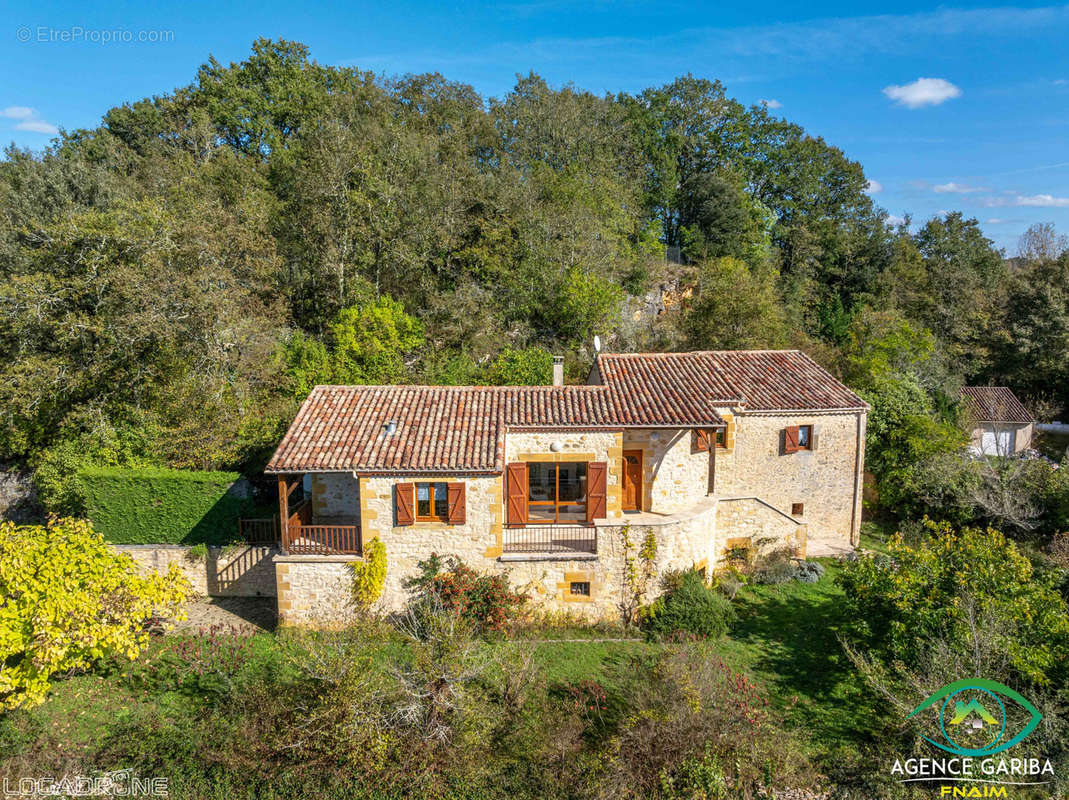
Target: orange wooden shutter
[(404, 494), (700, 442), (596, 479), (456, 492), (790, 439), (516, 491)]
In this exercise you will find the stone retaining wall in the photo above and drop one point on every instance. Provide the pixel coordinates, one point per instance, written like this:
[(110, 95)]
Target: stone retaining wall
[(315, 590), (234, 571)]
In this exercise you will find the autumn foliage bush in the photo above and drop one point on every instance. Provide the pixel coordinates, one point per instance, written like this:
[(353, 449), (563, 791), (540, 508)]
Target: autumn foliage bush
[(447, 583), (68, 601), (697, 721)]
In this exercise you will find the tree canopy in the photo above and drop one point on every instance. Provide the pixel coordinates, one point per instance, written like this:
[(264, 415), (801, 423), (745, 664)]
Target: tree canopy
[(177, 278)]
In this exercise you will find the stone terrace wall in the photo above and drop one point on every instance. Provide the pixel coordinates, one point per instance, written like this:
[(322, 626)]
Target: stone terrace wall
[(237, 571), (749, 523), (315, 590)]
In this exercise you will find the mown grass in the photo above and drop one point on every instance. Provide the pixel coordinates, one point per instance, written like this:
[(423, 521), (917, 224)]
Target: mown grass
[(875, 534)]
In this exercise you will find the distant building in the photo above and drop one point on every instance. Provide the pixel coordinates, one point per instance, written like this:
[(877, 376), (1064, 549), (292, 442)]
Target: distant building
[(999, 423)]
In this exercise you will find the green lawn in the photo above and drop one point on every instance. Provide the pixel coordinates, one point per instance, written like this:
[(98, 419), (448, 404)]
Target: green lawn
[(787, 636), (876, 533)]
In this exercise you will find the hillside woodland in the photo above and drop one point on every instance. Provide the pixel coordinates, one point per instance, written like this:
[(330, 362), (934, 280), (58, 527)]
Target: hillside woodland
[(176, 279)]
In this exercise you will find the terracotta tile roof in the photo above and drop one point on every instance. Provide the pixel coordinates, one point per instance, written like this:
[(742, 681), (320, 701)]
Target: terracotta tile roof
[(663, 387), (344, 428), (994, 404), (759, 380), (462, 428)]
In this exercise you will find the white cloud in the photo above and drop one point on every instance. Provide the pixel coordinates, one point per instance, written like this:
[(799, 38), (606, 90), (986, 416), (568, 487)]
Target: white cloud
[(28, 120), (994, 221), (956, 188), (771, 103), (923, 92), (894, 219), (1027, 201), (874, 187), (1042, 201), (17, 112), (37, 126)]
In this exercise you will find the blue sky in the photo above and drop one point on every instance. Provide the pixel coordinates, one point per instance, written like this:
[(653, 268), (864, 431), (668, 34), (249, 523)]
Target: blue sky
[(985, 132)]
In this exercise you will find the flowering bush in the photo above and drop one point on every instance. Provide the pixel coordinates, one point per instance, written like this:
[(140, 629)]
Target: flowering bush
[(450, 584), (66, 601)]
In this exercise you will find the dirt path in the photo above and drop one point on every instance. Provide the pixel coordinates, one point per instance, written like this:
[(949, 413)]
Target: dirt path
[(255, 613)]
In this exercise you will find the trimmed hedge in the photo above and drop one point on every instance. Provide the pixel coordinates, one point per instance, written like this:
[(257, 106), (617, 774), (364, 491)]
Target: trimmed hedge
[(163, 506)]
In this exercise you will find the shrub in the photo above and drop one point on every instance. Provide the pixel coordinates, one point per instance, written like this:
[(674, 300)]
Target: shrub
[(163, 506), (1059, 549), (781, 567), (808, 571), (450, 584), (688, 605), (936, 587), (68, 601), (698, 728), (369, 575), (202, 664)]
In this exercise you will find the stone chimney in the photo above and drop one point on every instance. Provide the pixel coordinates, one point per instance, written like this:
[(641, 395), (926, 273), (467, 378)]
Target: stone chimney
[(558, 370)]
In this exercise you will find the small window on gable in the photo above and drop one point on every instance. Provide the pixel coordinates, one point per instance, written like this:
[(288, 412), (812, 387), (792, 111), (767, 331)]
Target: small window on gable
[(719, 437), (805, 437), (797, 509), (580, 588)]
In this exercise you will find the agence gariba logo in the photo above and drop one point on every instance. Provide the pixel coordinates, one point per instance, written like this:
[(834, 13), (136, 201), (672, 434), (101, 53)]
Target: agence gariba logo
[(973, 718)]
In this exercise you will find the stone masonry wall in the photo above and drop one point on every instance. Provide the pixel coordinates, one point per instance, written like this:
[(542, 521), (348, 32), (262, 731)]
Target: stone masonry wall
[(236, 571), (746, 522), (825, 481), (315, 590), (335, 494), (477, 541), (674, 476)]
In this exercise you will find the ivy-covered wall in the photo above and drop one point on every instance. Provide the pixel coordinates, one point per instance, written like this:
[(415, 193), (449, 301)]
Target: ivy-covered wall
[(164, 506)]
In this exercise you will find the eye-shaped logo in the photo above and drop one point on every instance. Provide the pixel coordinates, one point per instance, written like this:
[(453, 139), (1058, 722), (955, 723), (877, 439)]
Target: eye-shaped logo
[(974, 719)]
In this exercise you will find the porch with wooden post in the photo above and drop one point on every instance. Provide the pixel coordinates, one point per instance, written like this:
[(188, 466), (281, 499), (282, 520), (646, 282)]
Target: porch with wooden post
[(303, 533)]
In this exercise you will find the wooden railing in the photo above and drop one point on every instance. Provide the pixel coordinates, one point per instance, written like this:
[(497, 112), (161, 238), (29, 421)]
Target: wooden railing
[(551, 539), (324, 540), (259, 531)]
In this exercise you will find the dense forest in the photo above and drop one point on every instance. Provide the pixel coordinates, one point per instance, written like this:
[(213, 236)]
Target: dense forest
[(176, 279)]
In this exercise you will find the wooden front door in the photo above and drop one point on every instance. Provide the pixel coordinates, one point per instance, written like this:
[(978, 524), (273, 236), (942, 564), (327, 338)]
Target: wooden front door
[(632, 499)]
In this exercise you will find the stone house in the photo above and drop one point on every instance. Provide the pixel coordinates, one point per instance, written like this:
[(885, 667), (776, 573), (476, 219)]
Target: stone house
[(709, 452), (999, 424)]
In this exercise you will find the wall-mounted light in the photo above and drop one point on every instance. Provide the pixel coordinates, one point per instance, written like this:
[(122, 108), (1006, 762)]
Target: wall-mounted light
[(557, 446)]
